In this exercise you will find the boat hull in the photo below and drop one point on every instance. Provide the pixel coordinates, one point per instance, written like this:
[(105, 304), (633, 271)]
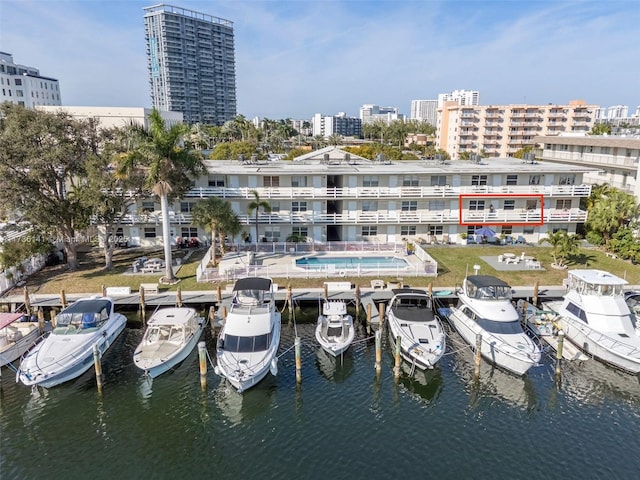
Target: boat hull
[(11, 351), (332, 345)]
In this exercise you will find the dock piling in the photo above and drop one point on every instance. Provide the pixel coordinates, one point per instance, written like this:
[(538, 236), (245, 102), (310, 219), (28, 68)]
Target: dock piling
[(202, 357), (27, 302), (41, 320), (298, 361), (143, 312), (378, 350), (179, 297), (559, 353), (357, 300), (368, 321), (398, 358), (380, 314), (478, 354), (98, 366), (63, 299), (536, 287)]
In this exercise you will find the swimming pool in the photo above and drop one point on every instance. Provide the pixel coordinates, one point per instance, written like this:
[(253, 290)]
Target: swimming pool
[(351, 263)]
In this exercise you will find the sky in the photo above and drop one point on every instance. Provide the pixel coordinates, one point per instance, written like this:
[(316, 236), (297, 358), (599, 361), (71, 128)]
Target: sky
[(298, 58)]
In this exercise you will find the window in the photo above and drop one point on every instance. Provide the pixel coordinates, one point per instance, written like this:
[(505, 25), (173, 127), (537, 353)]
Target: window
[(189, 232), (148, 207), (370, 206), (527, 231), (149, 232), (410, 181), (436, 229), (410, 206), (298, 206), (186, 207), (532, 204), (438, 180), (216, 181), (509, 205), (275, 206), (476, 205), (534, 179), (298, 181), (563, 204), (18, 81), (436, 205), (478, 180), (568, 180), (577, 311), (507, 230), (272, 234), (269, 181), (407, 230), (512, 179), (370, 181), (301, 231), (369, 230)]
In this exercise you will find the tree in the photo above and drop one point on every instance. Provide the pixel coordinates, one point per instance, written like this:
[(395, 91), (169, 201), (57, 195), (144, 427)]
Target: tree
[(609, 210), (563, 246), (169, 169), (601, 129), (43, 158), (255, 206), (217, 216)]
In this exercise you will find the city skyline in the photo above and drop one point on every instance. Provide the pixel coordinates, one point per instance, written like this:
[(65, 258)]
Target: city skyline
[(295, 59)]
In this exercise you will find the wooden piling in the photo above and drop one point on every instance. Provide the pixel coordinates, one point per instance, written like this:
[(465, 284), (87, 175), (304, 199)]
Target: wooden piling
[(478, 354), (224, 312), (325, 291), (98, 366), (104, 291), (559, 353), (378, 350), (357, 299), (398, 358), (298, 360), (52, 314), (179, 297), (380, 314), (536, 287), (430, 287), (219, 294), (27, 302), (41, 320), (202, 357), (143, 313), (289, 302), (63, 299)]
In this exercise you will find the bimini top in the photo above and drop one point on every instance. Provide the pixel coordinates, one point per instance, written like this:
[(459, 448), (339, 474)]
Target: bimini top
[(487, 287), (9, 318), (486, 281), (253, 283)]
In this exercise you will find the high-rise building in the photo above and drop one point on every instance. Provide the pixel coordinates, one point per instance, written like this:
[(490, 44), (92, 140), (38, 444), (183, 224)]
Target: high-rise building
[(369, 113), (191, 60), (425, 110), (461, 97), (340, 124), (25, 86)]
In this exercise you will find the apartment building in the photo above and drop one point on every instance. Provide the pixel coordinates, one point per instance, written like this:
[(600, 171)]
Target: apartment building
[(461, 97), (191, 61), (615, 160), (340, 124), (369, 113), (23, 85), (110, 117), (502, 130), (425, 111), (331, 195)]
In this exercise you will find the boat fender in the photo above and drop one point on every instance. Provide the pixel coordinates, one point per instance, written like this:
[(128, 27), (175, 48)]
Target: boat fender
[(216, 370), (274, 367)]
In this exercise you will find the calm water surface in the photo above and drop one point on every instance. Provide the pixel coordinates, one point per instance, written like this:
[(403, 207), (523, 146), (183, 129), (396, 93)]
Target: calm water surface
[(342, 422)]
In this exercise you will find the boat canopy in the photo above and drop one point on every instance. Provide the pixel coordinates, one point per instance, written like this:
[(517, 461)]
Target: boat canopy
[(487, 287), (85, 314), (253, 283), (8, 318), (596, 282)]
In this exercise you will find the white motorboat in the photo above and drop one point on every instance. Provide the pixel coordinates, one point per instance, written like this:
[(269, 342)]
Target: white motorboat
[(171, 335), (595, 317), (411, 316), (17, 335), (334, 330), (485, 308), (68, 351), (249, 338)]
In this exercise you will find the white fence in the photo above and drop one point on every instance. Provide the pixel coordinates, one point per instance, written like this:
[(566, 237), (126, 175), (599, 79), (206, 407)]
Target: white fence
[(12, 277)]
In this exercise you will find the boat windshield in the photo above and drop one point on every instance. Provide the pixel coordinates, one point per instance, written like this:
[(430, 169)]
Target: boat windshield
[(603, 290), (500, 328), (490, 292), (82, 320), (237, 344)]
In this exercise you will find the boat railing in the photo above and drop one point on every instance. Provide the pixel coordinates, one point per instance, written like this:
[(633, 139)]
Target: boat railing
[(605, 340)]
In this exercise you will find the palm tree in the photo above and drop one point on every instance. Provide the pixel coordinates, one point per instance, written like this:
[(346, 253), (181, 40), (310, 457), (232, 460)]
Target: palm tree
[(218, 216), (563, 246), (256, 205), (609, 210), (169, 168)]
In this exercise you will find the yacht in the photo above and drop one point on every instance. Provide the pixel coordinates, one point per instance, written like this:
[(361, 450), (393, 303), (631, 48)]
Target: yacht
[(249, 338), (594, 315), (68, 351), (485, 308), (411, 316)]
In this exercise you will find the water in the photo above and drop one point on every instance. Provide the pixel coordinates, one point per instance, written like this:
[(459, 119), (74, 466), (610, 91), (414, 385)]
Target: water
[(351, 263), (340, 423)]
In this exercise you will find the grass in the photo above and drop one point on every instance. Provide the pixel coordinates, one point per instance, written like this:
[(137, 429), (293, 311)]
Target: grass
[(453, 264)]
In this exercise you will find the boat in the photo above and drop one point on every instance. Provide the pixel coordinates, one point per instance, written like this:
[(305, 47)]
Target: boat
[(17, 335), (334, 330), (248, 341), (485, 308), (594, 315), (171, 335), (68, 350), (411, 316), (633, 302)]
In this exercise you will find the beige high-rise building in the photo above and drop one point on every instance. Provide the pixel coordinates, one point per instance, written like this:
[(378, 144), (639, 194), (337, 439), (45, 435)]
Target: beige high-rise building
[(502, 130)]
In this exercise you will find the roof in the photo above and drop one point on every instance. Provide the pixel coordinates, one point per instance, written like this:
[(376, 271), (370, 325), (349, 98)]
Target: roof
[(599, 277), (486, 281), (253, 283), (591, 140), (89, 305), (172, 316), (408, 291)]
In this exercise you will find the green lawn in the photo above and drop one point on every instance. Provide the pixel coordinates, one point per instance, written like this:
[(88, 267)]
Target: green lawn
[(453, 261)]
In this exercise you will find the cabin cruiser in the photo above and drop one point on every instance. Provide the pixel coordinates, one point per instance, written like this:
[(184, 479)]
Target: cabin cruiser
[(334, 330), (249, 338), (485, 308), (17, 335), (594, 315), (171, 335), (411, 316), (68, 351)]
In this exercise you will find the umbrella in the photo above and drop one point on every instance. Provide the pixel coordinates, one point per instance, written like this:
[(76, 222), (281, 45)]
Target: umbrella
[(485, 231)]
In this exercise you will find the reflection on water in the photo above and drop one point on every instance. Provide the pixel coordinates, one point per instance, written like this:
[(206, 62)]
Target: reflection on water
[(242, 407), (427, 384), (336, 369)]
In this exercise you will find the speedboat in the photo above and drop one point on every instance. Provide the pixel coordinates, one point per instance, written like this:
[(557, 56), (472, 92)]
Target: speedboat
[(171, 335), (68, 351), (411, 316), (594, 315), (334, 330), (17, 335), (248, 342), (485, 308)]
